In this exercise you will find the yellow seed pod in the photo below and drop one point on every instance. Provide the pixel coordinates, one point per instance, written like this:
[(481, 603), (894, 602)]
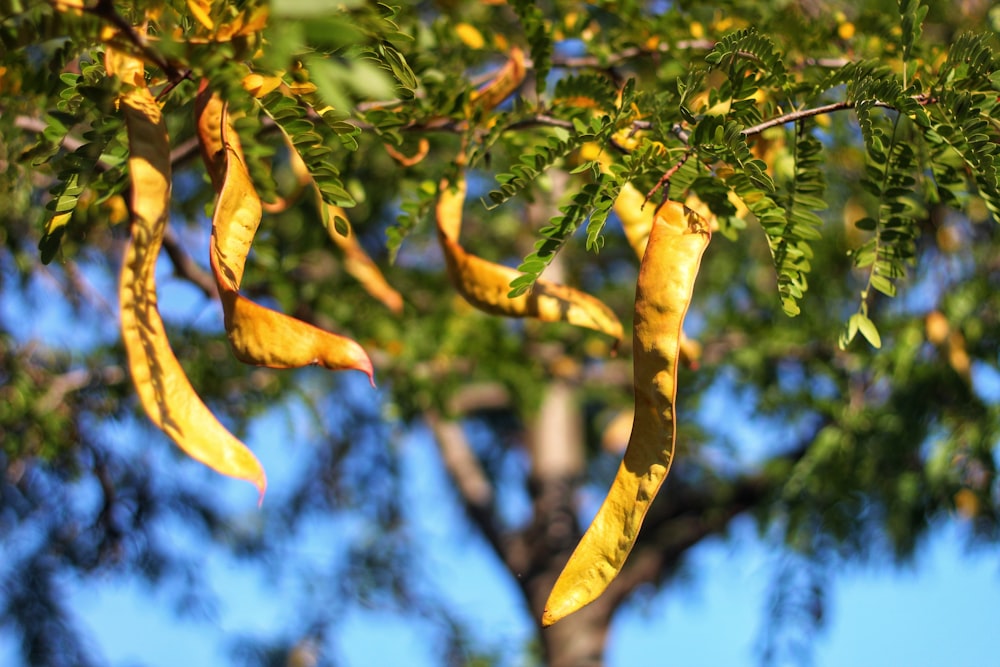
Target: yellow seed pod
[(663, 291), (257, 335), (486, 285), (163, 387)]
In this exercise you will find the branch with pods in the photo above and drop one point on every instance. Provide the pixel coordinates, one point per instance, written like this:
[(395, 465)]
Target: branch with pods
[(669, 240), (671, 249)]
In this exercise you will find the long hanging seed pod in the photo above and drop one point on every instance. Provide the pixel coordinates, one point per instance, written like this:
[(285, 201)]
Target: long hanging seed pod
[(164, 390), (677, 240), (486, 285), (258, 335)]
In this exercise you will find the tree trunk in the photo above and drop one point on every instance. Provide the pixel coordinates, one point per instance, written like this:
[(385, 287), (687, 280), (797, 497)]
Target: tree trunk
[(577, 640), (557, 453), (558, 460)]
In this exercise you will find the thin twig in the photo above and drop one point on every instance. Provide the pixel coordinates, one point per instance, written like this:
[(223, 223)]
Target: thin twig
[(473, 486), (186, 268), (665, 179), (612, 59), (799, 114), (73, 381), (105, 9)]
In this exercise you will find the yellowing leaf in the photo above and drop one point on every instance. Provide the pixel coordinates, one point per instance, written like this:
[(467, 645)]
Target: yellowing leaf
[(116, 210), (246, 22), (486, 285), (958, 356), (258, 335), (201, 11), (73, 6), (259, 85), (469, 35), (300, 88), (164, 390), (937, 327), (663, 291), (967, 503)]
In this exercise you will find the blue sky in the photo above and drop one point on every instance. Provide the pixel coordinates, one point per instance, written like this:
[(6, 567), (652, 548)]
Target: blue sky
[(942, 610)]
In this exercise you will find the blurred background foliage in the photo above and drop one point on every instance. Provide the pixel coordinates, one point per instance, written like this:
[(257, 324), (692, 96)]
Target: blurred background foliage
[(845, 454)]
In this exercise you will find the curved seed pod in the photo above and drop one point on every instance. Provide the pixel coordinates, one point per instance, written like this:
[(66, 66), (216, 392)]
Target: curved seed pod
[(264, 337), (423, 148), (503, 84), (208, 110), (258, 335), (486, 285), (637, 215), (666, 280), (163, 387), (357, 262), (508, 79)]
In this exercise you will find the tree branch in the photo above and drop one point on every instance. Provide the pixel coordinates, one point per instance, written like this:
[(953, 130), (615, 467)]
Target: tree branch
[(73, 381), (612, 59), (474, 488), (793, 116), (480, 396), (186, 268)]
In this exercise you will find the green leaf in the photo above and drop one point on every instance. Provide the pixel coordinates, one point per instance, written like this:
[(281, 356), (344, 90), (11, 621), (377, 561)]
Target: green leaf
[(539, 35), (883, 285), (341, 226), (868, 329), (49, 244), (582, 206)]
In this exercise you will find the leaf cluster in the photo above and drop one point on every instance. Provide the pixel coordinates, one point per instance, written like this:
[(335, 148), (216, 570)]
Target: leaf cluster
[(95, 167), (313, 141), (593, 201)]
